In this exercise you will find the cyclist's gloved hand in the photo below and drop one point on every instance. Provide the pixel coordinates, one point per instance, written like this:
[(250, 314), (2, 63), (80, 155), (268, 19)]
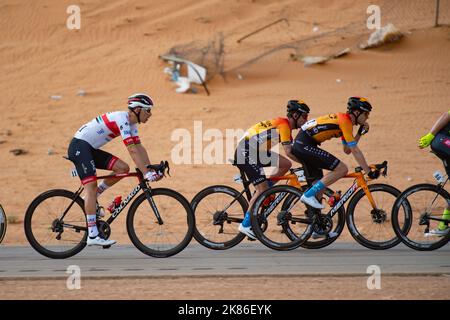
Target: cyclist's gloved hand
[(363, 129), (373, 174), (426, 140), (152, 176)]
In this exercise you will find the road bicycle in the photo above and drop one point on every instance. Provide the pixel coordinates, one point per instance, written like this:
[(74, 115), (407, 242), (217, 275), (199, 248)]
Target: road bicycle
[(219, 210), (3, 223), (160, 222), (427, 203), (293, 222)]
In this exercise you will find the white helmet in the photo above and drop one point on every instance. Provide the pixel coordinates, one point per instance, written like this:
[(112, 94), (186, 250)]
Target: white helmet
[(140, 100)]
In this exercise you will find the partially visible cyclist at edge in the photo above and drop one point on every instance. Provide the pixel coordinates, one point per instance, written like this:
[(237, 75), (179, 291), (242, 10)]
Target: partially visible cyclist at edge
[(439, 139), (253, 152), (314, 159), (84, 151)]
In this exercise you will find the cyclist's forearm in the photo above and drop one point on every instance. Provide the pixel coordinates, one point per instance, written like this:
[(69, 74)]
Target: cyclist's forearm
[(359, 157), (440, 123), (139, 159), (143, 153)]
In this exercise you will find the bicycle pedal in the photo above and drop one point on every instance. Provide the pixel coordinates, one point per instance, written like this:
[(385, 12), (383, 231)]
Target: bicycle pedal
[(250, 239), (106, 247)]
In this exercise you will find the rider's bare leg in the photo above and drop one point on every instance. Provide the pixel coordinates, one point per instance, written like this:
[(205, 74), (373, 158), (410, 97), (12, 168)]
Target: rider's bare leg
[(284, 164), (118, 167), (90, 207)]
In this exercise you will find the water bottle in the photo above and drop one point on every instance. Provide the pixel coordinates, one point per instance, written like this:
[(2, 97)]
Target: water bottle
[(439, 177), (114, 204)]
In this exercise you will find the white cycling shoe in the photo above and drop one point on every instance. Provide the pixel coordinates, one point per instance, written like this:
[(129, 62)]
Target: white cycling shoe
[(312, 201), (97, 241), (437, 232), (316, 235), (247, 231)]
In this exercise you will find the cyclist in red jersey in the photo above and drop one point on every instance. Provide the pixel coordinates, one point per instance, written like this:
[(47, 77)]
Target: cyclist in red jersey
[(84, 151)]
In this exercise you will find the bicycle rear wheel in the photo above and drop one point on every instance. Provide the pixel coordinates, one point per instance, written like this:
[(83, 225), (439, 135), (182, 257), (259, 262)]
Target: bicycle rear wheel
[(271, 222), (218, 212), (51, 234), (369, 227), (170, 237), (3, 223), (427, 202)]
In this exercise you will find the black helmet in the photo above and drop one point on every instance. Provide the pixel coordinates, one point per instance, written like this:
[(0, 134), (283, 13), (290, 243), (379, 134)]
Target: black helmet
[(358, 103), (297, 106)]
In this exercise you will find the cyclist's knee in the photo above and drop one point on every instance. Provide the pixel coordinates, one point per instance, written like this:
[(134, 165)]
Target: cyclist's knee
[(121, 167)]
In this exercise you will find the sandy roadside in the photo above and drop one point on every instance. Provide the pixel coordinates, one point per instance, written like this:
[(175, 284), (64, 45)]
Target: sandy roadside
[(233, 288)]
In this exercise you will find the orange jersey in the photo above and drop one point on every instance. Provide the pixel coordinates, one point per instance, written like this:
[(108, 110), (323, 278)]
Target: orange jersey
[(331, 126), (277, 130)]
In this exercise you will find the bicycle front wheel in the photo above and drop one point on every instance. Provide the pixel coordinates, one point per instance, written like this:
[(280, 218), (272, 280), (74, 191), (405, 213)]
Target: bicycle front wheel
[(271, 220), (55, 224), (371, 227), (3, 223), (218, 212), (168, 236), (427, 203)]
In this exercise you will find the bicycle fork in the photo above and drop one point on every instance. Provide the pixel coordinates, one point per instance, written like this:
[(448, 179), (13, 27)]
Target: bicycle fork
[(378, 215), (148, 195)]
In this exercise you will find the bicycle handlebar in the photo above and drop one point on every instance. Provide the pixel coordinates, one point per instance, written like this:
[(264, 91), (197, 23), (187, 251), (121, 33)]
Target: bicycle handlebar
[(379, 167), (160, 168)]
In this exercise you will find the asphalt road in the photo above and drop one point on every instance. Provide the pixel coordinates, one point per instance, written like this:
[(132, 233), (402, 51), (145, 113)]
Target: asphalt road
[(243, 260)]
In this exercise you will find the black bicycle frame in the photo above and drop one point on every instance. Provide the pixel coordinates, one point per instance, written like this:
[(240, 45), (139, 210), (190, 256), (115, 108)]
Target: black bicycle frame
[(142, 186)]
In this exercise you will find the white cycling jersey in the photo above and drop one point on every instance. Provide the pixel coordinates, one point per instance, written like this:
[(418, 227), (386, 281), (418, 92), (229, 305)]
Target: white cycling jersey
[(106, 127)]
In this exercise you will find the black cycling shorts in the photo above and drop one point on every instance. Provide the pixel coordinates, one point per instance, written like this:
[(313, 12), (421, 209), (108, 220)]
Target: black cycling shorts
[(441, 147), (249, 159), (86, 159), (312, 157)]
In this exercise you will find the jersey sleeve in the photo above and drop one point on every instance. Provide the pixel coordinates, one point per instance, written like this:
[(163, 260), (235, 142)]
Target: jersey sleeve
[(126, 131), (284, 130), (135, 134), (346, 126)]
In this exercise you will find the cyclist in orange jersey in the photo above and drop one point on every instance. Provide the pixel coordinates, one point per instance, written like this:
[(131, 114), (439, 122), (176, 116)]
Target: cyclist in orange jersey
[(253, 151), (314, 159)]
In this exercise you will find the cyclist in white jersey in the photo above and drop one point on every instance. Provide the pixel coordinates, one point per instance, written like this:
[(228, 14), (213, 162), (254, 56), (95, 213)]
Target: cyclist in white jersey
[(84, 152)]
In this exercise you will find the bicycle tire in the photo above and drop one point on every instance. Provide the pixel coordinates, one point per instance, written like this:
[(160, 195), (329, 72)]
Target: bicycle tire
[(3, 224), (31, 210), (338, 227), (355, 231), (260, 229), (403, 198), (203, 237), (131, 228)]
